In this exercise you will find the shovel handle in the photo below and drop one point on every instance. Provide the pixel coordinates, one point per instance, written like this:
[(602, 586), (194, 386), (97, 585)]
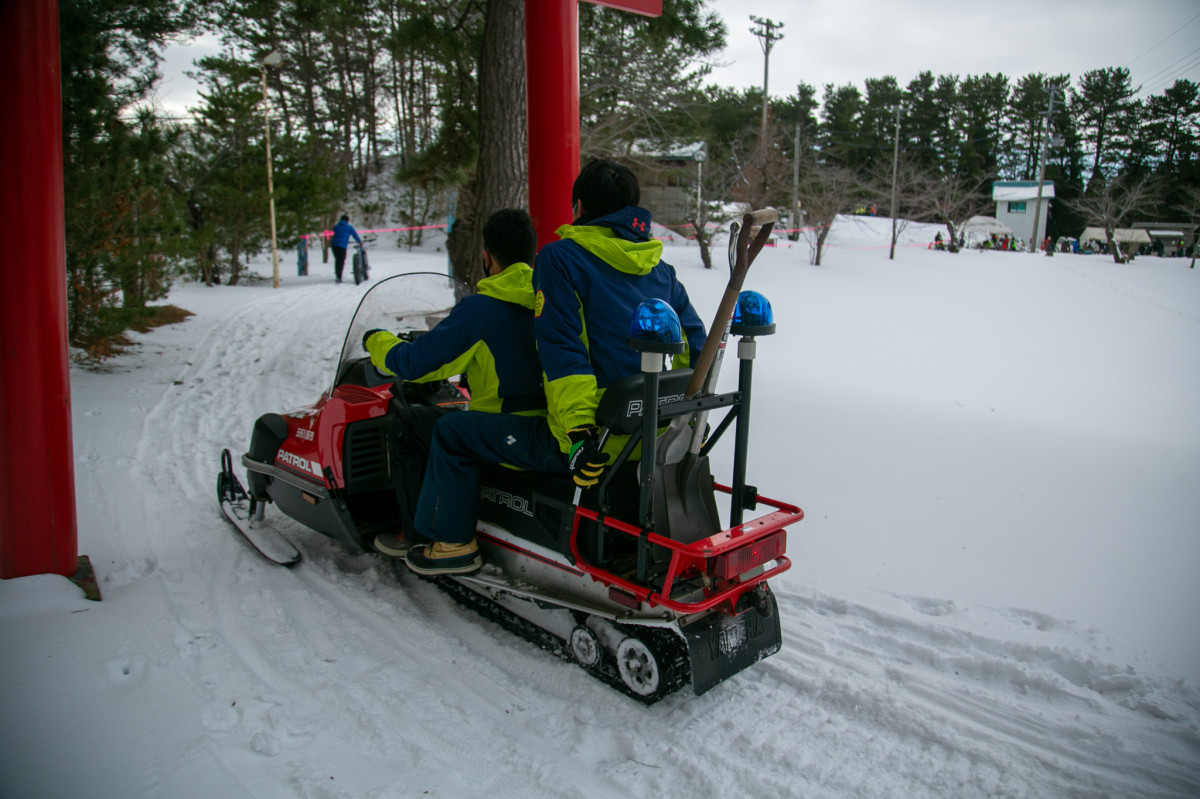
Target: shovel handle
[(761, 217), (759, 225)]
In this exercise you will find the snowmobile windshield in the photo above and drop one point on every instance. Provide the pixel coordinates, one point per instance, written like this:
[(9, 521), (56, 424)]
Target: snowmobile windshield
[(409, 303)]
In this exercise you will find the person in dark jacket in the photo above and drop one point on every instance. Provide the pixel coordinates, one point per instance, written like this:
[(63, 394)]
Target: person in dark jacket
[(342, 232), (489, 337), (589, 283)]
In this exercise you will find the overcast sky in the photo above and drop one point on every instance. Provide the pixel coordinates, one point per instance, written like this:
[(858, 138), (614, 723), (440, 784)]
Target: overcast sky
[(839, 42)]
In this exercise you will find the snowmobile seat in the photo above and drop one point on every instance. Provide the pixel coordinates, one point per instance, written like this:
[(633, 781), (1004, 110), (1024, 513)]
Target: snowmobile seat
[(620, 408)]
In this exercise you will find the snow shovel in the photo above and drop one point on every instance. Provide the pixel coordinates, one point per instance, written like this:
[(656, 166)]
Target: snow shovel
[(690, 508)]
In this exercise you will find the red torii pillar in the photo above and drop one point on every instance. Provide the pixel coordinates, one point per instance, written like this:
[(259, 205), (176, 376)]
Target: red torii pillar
[(552, 100), (38, 531), (37, 466)]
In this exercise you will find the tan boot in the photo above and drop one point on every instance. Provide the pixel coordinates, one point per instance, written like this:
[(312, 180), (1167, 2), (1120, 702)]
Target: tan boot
[(393, 545), (443, 558)]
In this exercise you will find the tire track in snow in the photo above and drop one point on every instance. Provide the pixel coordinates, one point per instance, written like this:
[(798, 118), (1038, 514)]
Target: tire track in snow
[(1115, 285), (240, 363), (1058, 719), (339, 629), (340, 665)]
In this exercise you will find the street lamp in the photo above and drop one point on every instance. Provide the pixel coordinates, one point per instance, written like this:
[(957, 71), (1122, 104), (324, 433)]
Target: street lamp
[(272, 59)]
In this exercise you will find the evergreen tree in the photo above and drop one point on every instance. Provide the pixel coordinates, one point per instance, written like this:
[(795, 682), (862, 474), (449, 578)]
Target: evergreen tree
[(114, 203), (884, 99), (632, 67), (1107, 112), (983, 100), (923, 122), (948, 138), (1173, 130), (842, 112)]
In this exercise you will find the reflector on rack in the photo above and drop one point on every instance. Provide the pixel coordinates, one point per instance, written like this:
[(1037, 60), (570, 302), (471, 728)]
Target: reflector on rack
[(743, 559)]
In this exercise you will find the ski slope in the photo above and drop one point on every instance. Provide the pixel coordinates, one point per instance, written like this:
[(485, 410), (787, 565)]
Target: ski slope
[(995, 590)]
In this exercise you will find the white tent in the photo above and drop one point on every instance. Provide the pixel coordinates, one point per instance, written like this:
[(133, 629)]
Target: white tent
[(978, 228), (1121, 235)]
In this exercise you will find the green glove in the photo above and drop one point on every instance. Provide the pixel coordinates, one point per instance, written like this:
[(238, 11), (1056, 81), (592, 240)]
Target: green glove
[(379, 343)]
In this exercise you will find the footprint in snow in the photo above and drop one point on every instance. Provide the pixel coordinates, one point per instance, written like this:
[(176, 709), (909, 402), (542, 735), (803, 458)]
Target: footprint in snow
[(125, 671), (221, 716), (130, 572), (931, 607), (265, 744)]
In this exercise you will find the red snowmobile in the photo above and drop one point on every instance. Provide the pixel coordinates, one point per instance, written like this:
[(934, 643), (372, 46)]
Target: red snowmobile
[(637, 579)]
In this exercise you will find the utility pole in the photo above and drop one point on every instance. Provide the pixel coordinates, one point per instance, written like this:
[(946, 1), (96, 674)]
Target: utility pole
[(794, 213), (895, 170), (271, 59), (1037, 210), (766, 31)]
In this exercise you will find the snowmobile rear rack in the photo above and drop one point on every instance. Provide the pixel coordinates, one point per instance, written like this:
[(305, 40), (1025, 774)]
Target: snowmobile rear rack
[(720, 563)]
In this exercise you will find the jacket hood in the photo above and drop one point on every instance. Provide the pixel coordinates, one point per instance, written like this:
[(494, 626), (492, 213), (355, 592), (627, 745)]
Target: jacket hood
[(621, 239), (514, 284)]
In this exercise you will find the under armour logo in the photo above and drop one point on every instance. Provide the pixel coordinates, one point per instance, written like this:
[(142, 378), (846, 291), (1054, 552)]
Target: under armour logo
[(510, 441), (638, 224)]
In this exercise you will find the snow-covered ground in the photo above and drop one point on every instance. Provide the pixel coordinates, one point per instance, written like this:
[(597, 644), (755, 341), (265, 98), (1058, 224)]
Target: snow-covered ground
[(995, 591)]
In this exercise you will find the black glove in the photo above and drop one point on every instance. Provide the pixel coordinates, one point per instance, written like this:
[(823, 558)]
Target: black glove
[(585, 459), (370, 333)]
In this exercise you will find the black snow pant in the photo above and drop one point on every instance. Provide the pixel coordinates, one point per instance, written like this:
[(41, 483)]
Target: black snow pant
[(409, 437), (339, 261)]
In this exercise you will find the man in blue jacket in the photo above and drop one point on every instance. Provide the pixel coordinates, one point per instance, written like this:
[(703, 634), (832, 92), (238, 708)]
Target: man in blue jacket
[(342, 232), (588, 285), (489, 337)]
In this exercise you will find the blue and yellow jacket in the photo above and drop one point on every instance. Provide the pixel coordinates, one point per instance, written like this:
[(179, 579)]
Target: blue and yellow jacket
[(488, 336), (588, 285)]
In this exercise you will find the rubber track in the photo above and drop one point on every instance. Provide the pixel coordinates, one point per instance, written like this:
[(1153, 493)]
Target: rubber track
[(668, 648)]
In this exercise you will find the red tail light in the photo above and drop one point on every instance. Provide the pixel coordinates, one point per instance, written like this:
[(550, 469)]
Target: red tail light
[(743, 559)]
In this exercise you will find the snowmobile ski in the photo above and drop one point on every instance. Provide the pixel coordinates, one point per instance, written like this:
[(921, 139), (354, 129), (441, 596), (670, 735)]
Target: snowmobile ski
[(246, 516)]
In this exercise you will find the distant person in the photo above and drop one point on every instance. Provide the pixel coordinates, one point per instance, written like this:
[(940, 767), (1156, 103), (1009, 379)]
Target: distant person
[(342, 232)]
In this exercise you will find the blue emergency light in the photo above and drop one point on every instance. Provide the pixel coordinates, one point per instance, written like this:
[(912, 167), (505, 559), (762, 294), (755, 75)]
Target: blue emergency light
[(656, 328), (752, 315)]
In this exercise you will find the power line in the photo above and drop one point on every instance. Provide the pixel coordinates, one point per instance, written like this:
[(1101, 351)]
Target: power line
[(1168, 36), (1170, 78)]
